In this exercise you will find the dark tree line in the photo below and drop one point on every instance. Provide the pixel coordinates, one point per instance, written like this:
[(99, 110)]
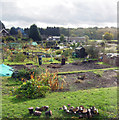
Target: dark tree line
[(50, 31), (91, 32)]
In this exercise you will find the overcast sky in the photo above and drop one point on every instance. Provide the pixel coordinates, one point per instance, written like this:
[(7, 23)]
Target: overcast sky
[(61, 13)]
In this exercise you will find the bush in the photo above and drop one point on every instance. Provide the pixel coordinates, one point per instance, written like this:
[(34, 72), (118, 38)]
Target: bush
[(67, 52), (60, 58), (10, 38), (31, 89), (25, 74), (58, 52), (57, 58), (38, 87), (19, 57), (92, 51), (51, 80)]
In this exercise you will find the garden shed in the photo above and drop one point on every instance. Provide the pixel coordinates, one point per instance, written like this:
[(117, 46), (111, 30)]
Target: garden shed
[(80, 52)]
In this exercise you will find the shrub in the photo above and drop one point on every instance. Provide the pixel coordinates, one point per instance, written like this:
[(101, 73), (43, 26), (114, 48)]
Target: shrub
[(10, 38), (60, 58), (92, 51), (67, 52), (57, 58), (31, 89), (19, 57), (51, 80), (25, 74), (58, 52), (35, 88)]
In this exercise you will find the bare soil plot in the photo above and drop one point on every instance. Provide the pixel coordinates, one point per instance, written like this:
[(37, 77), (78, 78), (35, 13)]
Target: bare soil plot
[(91, 80)]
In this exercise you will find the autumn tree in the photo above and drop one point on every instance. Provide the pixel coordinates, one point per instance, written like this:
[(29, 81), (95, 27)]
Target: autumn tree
[(108, 36)]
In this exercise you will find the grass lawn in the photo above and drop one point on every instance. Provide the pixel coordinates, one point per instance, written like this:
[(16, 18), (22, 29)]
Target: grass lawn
[(104, 99)]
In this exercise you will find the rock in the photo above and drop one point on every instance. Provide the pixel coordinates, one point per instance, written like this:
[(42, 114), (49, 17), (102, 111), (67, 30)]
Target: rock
[(77, 81), (30, 110), (38, 109), (44, 108), (89, 114), (84, 111), (82, 77), (37, 113), (48, 113), (65, 108)]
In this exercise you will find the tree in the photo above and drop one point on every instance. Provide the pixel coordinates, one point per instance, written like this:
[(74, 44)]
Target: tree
[(19, 35), (34, 33), (13, 31), (93, 51), (62, 39), (108, 36)]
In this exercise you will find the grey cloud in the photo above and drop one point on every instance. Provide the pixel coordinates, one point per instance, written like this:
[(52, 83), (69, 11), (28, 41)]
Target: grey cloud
[(74, 12)]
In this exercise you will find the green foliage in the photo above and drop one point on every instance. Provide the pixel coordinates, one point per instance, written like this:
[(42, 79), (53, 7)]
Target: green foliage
[(19, 57), (57, 58), (3, 39), (92, 51), (104, 99), (62, 39), (26, 74), (10, 38), (58, 52), (13, 31), (23, 73), (34, 33), (60, 58), (67, 52), (31, 89), (108, 36), (19, 35), (102, 44)]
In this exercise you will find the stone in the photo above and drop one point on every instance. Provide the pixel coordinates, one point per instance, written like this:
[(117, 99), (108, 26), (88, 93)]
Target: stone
[(30, 110), (37, 113)]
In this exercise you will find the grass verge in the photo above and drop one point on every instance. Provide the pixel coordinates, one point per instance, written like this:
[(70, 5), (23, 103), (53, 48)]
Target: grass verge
[(104, 99)]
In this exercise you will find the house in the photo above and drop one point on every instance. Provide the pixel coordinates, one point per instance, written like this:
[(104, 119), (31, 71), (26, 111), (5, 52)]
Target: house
[(4, 32), (54, 38), (77, 39)]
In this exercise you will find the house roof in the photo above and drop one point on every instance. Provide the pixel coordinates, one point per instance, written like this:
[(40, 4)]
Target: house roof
[(3, 30)]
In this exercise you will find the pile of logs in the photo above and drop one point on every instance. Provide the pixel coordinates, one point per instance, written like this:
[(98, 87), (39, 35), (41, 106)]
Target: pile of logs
[(38, 111), (81, 111)]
